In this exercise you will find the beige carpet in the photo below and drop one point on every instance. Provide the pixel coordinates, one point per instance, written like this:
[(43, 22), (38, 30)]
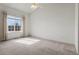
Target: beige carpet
[(33, 46)]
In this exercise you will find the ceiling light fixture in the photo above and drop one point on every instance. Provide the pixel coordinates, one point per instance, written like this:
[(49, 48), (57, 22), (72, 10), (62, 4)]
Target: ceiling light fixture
[(34, 6)]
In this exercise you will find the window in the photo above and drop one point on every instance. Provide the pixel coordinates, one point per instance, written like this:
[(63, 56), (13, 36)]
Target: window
[(17, 25), (14, 23), (10, 28)]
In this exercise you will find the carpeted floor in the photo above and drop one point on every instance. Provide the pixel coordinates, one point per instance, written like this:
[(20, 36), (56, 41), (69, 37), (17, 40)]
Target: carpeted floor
[(33, 46)]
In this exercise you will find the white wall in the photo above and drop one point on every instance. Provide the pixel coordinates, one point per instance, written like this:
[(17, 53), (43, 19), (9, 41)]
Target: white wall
[(27, 25), (54, 22), (76, 27), (12, 12)]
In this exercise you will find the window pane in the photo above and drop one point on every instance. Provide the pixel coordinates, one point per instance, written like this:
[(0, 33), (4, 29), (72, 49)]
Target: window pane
[(9, 28), (12, 28), (11, 21), (19, 28), (16, 28), (18, 25)]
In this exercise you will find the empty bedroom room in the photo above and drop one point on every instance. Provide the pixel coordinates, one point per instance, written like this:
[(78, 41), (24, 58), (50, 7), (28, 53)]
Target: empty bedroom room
[(39, 28)]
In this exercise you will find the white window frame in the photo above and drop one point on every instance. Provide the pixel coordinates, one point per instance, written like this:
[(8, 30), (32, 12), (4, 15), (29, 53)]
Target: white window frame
[(14, 27)]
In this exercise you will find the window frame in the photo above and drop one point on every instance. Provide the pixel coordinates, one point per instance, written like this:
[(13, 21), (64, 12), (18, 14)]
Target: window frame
[(15, 18)]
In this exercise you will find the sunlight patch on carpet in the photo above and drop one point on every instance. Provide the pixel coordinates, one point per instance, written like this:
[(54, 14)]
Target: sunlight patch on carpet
[(27, 41)]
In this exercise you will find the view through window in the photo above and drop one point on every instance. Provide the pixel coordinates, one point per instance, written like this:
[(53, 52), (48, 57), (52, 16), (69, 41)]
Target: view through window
[(14, 23)]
